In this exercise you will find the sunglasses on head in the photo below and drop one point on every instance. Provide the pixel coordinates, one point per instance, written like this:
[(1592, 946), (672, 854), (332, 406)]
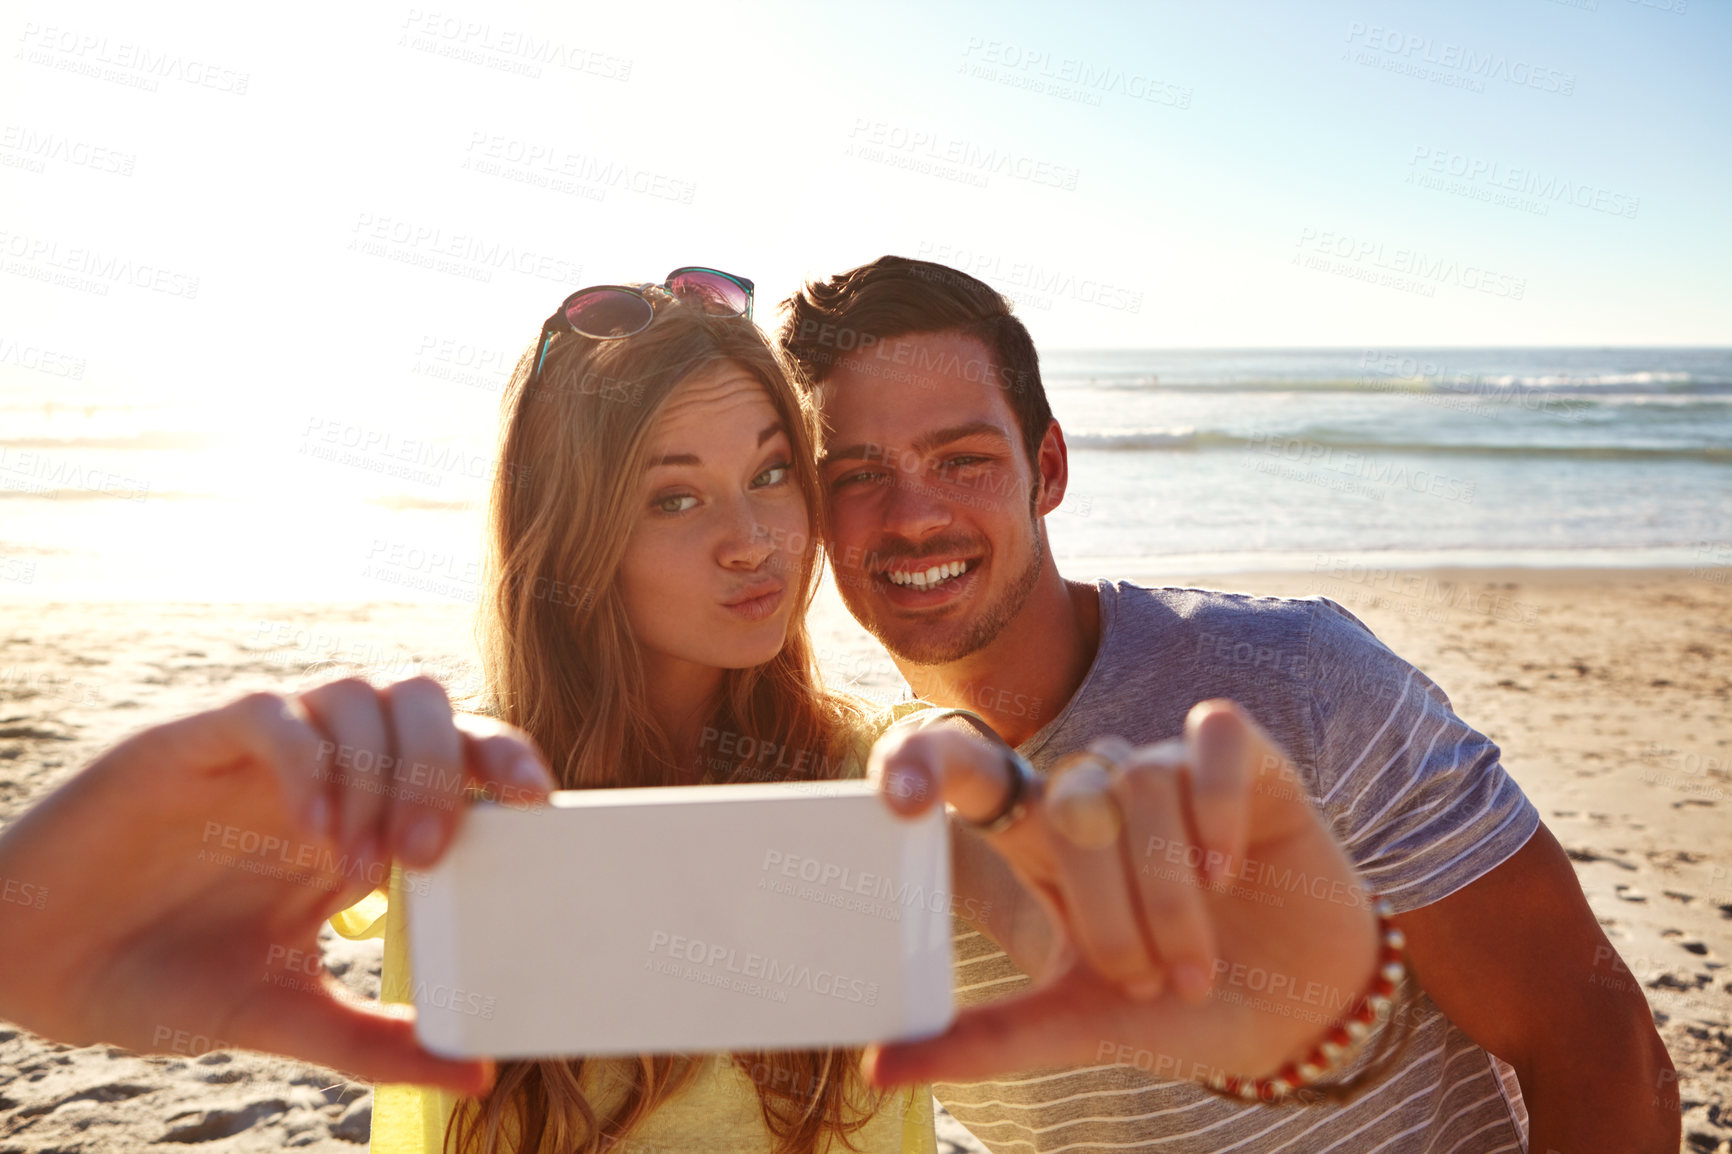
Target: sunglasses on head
[(608, 312)]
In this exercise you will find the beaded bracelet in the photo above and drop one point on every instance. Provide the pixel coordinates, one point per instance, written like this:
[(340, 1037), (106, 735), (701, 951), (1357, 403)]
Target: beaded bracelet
[(1343, 1041)]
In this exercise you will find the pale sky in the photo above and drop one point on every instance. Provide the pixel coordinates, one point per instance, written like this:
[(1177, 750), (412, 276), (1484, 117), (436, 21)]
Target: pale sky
[(1137, 175)]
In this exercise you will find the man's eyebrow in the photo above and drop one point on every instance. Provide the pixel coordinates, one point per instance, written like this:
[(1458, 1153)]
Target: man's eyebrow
[(940, 437), (765, 434), (866, 450), (851, 453)]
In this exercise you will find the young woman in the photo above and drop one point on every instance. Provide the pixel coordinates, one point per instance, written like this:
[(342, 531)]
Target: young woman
[(653, 550)]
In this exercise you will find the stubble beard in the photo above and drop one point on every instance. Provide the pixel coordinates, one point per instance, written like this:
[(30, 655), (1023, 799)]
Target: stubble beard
[(918, 647)]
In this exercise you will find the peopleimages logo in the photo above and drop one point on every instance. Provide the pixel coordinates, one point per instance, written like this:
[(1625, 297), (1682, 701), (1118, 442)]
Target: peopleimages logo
[(463, 254), (1066, 77), (1413, 50), (1374, 254), (542, 162), (505, 49), (90, 269), (134, 65), (30, 471), (858, 891), (939, 153), (1523, 181), (1041, 281), (756, 973), (41, 360), (35, 149)]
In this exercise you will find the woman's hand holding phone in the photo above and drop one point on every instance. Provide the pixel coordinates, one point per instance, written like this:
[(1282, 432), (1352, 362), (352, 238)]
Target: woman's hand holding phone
[(186, 873)]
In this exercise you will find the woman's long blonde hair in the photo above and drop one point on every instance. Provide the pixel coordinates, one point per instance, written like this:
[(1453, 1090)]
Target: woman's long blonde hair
[(561, 663)]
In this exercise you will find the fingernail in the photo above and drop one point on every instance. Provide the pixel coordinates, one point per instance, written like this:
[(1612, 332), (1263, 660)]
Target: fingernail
[(1145, 989), (527, 772), (363, 855), (906, 783), (1191, 980), (1087, 820), (874, 1067), (318, 816), (421, 842)]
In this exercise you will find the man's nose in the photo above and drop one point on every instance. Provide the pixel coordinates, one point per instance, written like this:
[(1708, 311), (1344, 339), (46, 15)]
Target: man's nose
[(914, 508)]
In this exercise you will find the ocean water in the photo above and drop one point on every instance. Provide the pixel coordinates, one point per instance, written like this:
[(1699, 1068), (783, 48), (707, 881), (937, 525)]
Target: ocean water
[(1270, 459), (1193, 460)]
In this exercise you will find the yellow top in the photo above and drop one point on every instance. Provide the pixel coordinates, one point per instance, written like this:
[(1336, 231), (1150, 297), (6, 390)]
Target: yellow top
[(718, 1110)]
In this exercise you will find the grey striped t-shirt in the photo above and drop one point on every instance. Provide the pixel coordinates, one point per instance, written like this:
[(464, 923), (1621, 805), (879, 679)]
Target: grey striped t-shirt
[(1418, 799)]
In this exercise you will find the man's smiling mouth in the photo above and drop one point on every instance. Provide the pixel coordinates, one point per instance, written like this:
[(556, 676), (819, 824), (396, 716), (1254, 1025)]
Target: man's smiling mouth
[(931, 576)]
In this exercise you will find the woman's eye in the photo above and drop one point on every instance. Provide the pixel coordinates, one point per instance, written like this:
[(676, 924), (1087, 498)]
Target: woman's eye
[(673, 504), (774, 475)]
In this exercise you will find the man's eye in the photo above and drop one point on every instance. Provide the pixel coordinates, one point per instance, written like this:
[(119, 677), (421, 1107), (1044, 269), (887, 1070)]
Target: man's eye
[(774, 475), (859, 477), (965, 461), (673, 504)]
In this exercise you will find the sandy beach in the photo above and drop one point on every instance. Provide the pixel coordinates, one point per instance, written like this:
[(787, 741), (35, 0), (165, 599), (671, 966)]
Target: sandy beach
[(1608, 691)]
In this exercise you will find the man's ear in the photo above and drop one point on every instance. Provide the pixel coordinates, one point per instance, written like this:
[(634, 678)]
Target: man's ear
[(1053, 465)]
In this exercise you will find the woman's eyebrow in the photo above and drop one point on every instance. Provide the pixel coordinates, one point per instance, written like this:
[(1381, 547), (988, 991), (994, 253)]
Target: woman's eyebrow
[(765, 434)]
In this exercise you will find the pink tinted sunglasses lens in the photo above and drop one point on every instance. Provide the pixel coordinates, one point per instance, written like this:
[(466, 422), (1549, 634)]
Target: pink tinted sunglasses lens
[(609, 312), (718, 295)]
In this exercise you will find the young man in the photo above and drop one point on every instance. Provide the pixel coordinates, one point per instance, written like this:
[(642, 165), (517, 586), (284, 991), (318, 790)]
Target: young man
[(941, 458)]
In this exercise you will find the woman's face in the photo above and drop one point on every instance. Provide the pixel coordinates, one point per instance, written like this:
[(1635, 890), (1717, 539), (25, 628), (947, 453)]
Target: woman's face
[(713, 564)]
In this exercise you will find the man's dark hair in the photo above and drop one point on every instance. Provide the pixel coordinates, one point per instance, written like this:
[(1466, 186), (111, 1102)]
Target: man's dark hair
[(855, 316)]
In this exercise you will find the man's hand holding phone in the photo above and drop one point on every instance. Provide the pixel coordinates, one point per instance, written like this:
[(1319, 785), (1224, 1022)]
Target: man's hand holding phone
[(1159, 870)]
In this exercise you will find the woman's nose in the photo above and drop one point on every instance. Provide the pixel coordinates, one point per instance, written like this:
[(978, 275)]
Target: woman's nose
[(747, 541)]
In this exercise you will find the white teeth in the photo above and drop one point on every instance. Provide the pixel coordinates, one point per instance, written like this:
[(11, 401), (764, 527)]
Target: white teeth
[(929, 577)]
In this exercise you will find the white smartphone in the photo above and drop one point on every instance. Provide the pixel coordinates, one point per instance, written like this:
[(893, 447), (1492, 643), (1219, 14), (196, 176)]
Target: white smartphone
[(706, 918)]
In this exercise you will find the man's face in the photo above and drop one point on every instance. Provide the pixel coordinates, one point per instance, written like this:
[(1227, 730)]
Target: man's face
[(935, 531)]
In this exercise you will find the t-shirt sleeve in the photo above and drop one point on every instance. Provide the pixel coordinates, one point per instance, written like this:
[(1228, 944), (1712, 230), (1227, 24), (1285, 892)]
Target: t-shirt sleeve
[(1417, 797)]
